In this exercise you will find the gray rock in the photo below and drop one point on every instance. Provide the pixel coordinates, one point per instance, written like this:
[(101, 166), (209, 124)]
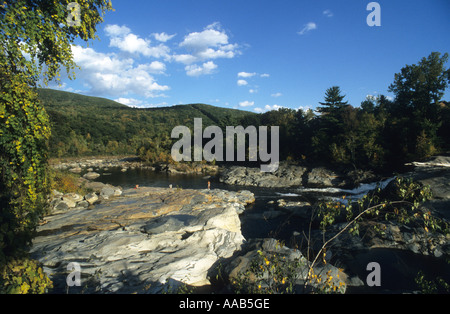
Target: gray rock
[(69, 201), (76, 170), (91, 175), (167, 224), (322, 177), (287, 175), (107, 192), (72, 197), (60, 206), (83, 204), (142, 241), (91, 198)]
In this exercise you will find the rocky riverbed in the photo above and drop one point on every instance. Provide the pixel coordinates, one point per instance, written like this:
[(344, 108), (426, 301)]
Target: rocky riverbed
[(143, 240), (153, 240), (92, 166)]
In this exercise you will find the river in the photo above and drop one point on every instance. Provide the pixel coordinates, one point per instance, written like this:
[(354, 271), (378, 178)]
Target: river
[(398, 268)]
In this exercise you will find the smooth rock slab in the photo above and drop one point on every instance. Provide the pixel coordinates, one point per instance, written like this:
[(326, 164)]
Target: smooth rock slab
[(147, 240)]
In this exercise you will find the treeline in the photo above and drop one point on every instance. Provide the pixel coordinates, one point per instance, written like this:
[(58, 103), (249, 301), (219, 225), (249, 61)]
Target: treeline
[(379, 134)]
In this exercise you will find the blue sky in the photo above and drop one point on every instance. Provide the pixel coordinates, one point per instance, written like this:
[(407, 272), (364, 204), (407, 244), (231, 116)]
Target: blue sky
[(254, 55)]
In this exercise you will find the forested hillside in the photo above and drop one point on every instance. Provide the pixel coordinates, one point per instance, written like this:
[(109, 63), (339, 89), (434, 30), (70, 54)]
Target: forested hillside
[(381, 133), (83, 125)]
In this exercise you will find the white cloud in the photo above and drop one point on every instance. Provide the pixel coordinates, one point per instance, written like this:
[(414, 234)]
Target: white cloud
[(246, 74), (157, 67), (163, 37), (196, 51), (277, 95), (184, 58), (136, 103), (328, 13), (246, 103), (122, 38), (265, 75), (131, 102), (267, 108), (304, 108), (308, 27), (210, 44), (210, 53), (196, 70), (253, 91), (242, 82), (209, 37), (116, 30), (107, 74)]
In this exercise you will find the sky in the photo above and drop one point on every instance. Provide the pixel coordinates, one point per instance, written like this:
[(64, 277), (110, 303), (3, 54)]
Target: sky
[(255, 55)]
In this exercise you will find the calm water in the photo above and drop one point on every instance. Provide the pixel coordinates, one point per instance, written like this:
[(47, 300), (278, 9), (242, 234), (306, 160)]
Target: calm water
[(398, 268)]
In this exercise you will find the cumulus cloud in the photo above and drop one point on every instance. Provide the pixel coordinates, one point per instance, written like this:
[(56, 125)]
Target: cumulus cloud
[(246, 74), (210, 44), (246, 103), (121, 37), (116, 30), (242, 82), (107, 74), (131, 102), (197, 70), (265, 75), (156, 67), (137, 103), (307, 28), (277, 95), (267, 108)]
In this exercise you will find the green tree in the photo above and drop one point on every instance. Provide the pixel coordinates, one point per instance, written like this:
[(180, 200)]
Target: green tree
[(333, 101), (418, 88), (327, 141), (35, 42)]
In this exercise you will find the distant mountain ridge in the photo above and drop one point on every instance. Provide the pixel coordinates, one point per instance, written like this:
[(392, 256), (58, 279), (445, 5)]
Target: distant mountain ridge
[(86, 125)]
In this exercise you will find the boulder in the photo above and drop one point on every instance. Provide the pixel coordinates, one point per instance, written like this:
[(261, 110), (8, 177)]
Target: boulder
[(72, 197), (288, 175), (147, 240), (91, 198), (83, 204), (75, 170), (60, 207), (322, 177), (91, 175), (285, 176), (297, 208), (109, 191), (70, 202)]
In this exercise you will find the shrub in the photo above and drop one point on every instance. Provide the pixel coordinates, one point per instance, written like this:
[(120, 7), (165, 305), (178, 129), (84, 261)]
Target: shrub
[(23, 276)]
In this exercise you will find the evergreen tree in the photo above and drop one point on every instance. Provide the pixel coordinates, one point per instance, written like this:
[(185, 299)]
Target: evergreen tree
[(327, 142), (333, 101)]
